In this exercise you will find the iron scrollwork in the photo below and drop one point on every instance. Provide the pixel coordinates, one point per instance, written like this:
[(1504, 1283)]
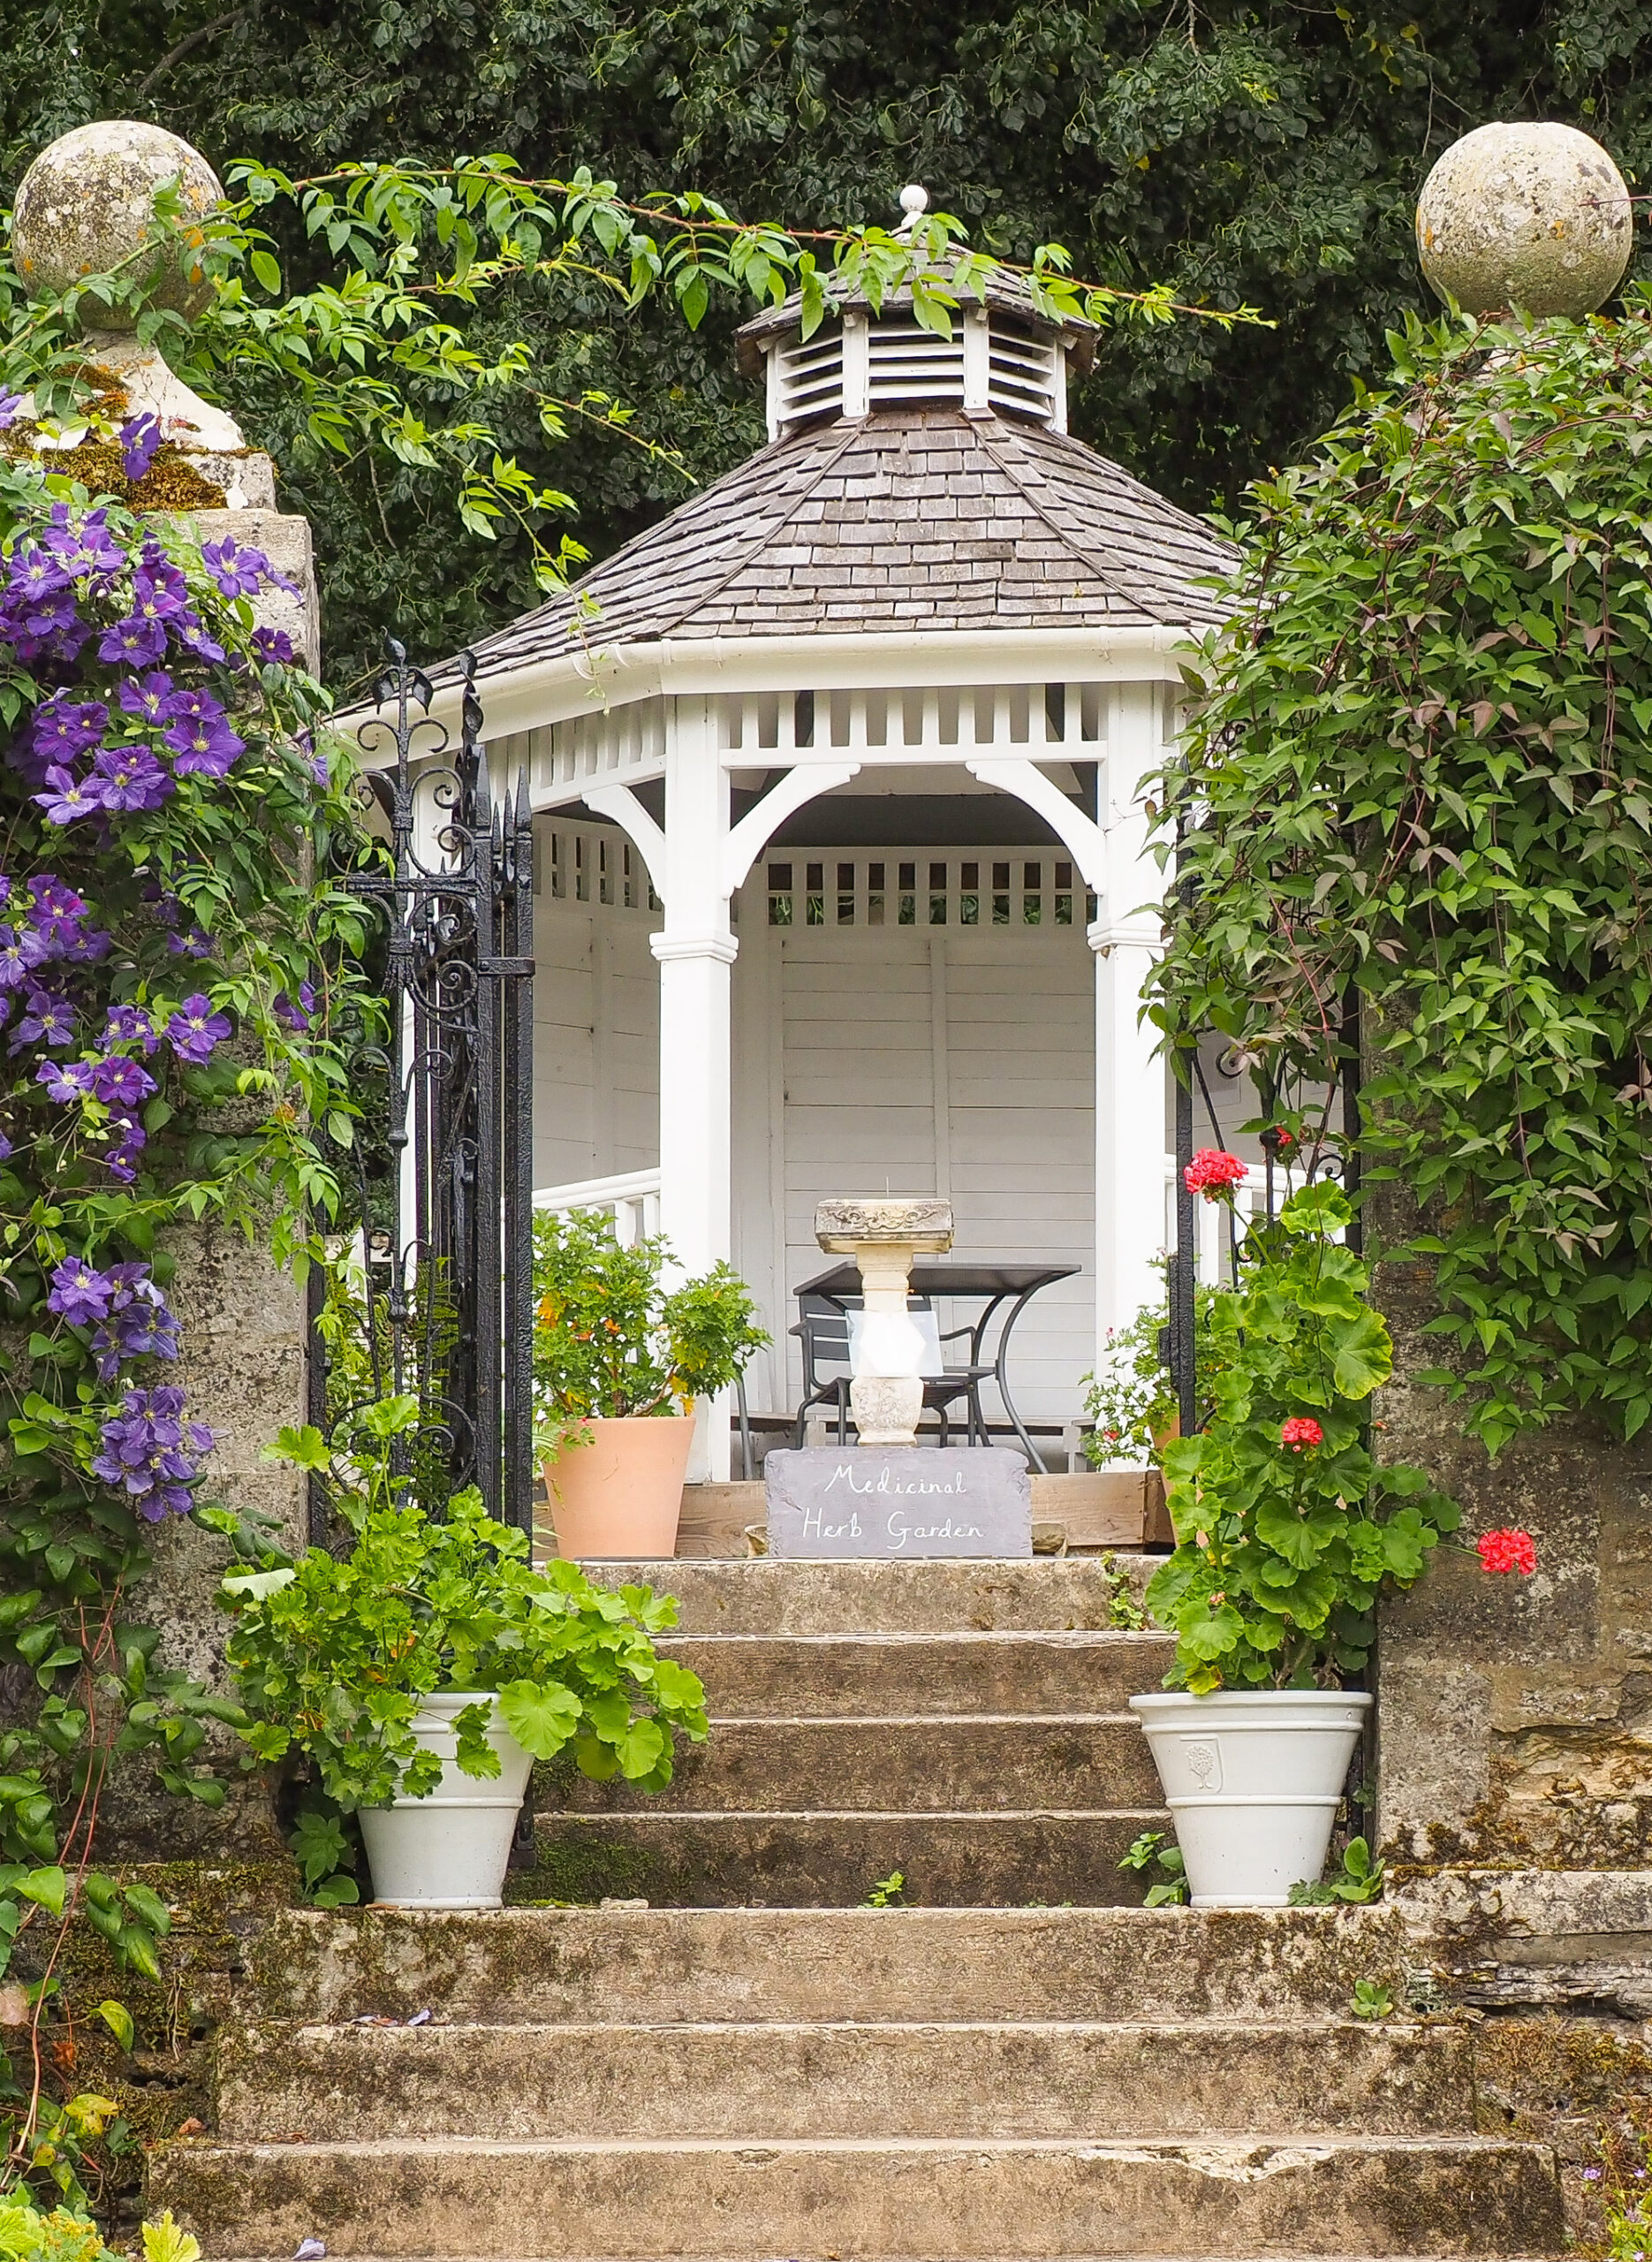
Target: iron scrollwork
[(446, 1251)]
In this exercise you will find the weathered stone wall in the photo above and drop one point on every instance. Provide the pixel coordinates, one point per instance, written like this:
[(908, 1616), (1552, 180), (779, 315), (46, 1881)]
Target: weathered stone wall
[(1515, 1715)]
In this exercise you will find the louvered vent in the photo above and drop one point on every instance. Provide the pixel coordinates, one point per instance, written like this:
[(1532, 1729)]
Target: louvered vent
[(907, 363), (858, 365), (1025, 377), (810, 379)]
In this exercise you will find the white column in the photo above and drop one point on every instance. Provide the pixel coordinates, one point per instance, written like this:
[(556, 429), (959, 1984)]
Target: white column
[(1129, 1078), (696, 950)]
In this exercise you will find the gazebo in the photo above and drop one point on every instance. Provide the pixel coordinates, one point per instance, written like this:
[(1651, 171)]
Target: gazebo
[(841, 850)]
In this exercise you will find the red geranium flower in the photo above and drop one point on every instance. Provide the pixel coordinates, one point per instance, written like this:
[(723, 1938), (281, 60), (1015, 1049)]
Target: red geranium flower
[(1507, 1550), (1301, 1431), (1212, 1172)]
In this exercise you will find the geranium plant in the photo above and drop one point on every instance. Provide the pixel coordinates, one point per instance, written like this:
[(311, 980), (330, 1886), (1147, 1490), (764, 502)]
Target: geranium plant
[(610, 1340), (332, 1656), (1288, 1530)]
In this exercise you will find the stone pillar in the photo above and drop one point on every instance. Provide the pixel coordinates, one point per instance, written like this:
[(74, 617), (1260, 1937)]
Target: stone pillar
[(1514, 1715), (82, 208)]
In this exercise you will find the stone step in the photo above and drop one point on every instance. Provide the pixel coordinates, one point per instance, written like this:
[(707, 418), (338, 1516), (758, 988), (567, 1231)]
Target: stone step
[(831, 1859), (1051, 1594), (848, 1676), (1024, 2197), (689, 1965), (1060, 2078), (981, 1764)]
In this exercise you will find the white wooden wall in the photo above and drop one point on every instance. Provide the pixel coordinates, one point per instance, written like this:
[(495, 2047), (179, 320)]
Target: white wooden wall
[(935, 1037), (596, 1005), (920, 1018)]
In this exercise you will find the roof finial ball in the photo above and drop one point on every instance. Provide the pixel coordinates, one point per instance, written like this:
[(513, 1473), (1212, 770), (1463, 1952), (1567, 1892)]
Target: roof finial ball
[(914, 202), (84, 206), (1536, 217)]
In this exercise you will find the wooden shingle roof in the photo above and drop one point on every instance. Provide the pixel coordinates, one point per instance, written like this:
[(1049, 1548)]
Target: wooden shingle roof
[(913, 519)]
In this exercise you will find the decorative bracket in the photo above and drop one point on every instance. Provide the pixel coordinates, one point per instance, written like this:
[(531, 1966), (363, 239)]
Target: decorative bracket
[(749, 837), (1079, 833), (620, 803)]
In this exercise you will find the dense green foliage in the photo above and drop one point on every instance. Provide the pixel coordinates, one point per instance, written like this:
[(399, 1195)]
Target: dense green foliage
[(1287, 1530), (1244, 150), (1427, 769), (610, 1340), (333, 1656)]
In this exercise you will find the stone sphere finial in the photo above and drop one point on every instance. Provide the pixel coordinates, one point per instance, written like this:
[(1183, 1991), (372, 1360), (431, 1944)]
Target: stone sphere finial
[(915, 199), (1536, 217), (85, 203)]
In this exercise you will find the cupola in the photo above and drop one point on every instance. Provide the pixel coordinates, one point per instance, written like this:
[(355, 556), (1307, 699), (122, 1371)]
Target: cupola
[(1004, 358)]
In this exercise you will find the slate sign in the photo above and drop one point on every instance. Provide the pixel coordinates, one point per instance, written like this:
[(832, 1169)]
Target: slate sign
[(904, 1502)]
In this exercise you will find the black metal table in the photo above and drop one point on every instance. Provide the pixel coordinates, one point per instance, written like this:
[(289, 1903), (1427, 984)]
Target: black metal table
[(1015, 1285)]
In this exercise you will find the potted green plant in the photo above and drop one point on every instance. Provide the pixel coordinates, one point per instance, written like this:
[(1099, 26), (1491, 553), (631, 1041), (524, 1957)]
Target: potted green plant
[(1287, 1532), (619, 1362), (422, 1675)]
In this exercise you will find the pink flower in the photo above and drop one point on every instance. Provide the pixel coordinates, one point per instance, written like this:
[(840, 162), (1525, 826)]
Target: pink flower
[(1212, 1172), (1301, 1431), (1507, 1550)]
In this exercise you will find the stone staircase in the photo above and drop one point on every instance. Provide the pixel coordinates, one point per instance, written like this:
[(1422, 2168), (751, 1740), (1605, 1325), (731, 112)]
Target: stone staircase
[(755, 2067)]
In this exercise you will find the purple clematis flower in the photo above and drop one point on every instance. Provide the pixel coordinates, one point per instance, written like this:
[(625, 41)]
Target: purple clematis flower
[(148, 1449), (139, 1325), (5, 1148), (193, 638), (66, 1080), (119, 1081), (19, 955), (80, 1292), (272, 646), (195, 1031), (295, 1016), (47, 1020), (238, 572), (64, 727), (67, 797), (194, 942), (128, 778), (134, 642), (36, 573), (87, 548), (12, 406), (205, 744), (131, 1024), (91, 946), (139, 438), (147, 695)]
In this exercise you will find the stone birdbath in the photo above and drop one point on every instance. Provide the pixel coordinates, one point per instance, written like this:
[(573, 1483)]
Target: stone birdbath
[(886, 1389)]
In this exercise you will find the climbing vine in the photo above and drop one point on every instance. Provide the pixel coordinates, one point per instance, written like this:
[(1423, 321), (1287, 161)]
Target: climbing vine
[(1419, 775), (171, 978)]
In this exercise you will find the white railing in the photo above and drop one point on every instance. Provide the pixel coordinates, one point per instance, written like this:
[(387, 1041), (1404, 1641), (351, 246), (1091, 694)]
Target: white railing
[(632, 1199)]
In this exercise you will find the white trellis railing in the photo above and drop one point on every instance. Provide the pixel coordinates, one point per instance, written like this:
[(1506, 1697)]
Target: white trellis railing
[(632, 1199)]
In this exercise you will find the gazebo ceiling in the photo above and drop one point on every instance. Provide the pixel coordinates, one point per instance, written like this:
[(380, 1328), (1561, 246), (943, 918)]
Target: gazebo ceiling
[(915, 519)]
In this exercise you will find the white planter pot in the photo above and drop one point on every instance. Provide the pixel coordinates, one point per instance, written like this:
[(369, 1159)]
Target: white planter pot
[(1253, 1777), (448, 1850)]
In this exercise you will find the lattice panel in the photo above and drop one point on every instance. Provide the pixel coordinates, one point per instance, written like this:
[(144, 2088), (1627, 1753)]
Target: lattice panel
[(916, 887)]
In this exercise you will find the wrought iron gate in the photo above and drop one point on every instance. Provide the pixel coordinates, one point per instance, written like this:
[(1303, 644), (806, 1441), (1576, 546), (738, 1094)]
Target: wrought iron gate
[(446, 1231)]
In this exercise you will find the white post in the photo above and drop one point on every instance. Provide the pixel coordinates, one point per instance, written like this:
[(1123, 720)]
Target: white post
[(1129, 1078), (696, 950)]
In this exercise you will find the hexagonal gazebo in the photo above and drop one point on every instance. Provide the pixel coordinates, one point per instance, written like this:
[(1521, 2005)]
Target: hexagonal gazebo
[(842, 856)]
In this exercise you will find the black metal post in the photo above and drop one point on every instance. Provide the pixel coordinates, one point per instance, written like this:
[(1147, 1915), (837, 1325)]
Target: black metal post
[(1183, 1354), (1351, 1127)]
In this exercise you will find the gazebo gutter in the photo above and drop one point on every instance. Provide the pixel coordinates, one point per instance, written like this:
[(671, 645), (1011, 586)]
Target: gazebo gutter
[(556, 689)]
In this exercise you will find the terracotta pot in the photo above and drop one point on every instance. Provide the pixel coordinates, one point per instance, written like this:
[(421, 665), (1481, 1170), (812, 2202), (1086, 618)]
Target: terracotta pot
[(622, 1494)]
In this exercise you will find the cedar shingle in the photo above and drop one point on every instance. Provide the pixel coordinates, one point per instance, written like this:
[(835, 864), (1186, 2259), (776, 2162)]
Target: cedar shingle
[(917, 514)]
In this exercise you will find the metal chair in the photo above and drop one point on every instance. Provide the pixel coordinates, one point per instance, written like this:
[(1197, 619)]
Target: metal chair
[(822, 1329)]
